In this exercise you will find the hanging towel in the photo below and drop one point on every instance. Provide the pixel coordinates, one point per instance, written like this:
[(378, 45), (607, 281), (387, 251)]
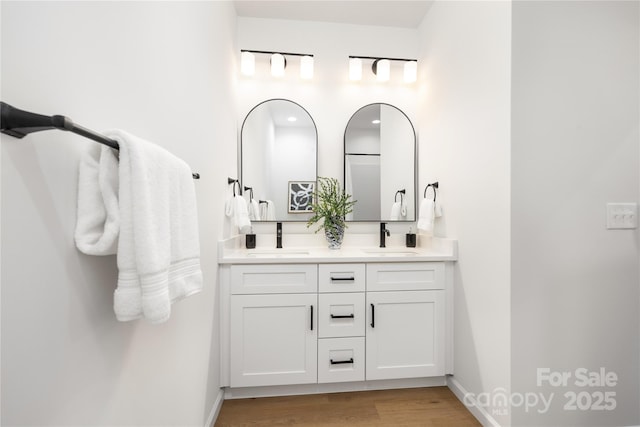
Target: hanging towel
[(254, 210), (157, 243), (267, 211), (236, 209), (396, 210), (426, 216)]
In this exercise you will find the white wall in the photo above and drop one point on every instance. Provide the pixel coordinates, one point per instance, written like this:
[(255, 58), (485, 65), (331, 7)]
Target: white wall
[(163, 71), (330, 98), (464, 144), (575, 147)]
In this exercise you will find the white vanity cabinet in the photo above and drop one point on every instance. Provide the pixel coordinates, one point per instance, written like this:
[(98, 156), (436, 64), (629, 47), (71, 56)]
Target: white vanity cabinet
[(324, 323), (273, 325), (405, 320)]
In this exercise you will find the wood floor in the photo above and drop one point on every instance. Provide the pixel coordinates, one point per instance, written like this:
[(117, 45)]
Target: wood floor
[(431, 406)]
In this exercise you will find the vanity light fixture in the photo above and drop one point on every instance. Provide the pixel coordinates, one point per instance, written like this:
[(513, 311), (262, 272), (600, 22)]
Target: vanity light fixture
[(292, 119), (247, 63), (306, 67), (355, 69), (381, 67), (410, 71), (278, 61)]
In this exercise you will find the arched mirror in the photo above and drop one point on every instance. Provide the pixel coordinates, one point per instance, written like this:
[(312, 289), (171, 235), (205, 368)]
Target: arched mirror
[(278, 160), (379, 164)]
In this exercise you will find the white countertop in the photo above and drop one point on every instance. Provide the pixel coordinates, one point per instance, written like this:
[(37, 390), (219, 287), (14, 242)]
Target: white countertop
[(309, 250)]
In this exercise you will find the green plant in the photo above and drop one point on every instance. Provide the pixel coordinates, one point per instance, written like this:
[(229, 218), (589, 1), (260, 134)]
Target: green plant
[(330, 204)]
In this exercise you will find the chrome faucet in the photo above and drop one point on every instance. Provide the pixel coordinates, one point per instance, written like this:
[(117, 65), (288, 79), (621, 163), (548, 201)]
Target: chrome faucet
[(278, 235), (383, 234)]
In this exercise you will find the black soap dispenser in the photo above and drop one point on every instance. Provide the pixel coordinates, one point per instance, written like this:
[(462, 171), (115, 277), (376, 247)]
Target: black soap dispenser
[(411, 239), (250, 240)]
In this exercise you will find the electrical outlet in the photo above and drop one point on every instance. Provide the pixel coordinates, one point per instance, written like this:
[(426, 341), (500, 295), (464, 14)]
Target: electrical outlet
[(622, 215)]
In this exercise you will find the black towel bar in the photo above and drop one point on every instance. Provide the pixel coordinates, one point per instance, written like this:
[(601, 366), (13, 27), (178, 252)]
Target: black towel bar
[(19, 123)]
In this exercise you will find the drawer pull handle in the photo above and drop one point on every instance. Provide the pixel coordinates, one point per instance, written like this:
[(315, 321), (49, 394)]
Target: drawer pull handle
[(312, 318), (347, 316), (373, 316), (340, 362), (343, 279)]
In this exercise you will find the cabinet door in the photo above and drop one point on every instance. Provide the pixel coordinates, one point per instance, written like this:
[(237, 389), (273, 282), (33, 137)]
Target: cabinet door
[(273, 339), (405, 334)]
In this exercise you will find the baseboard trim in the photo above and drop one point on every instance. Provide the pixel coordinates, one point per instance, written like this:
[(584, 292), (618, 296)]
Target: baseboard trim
[(292, 390), (477, 411), (215, 410)]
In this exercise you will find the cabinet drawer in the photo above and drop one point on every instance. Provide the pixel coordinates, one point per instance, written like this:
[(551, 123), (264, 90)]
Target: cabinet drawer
[(410, 276), (341, 315), (274, 279), (340, 359), (341, 277)]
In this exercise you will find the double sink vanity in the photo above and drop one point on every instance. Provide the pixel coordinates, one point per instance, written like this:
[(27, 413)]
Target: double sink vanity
[(303, 318), (307, 319)]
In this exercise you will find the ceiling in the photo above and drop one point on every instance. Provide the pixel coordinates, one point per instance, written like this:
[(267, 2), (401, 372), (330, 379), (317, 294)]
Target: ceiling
[(396, 13)]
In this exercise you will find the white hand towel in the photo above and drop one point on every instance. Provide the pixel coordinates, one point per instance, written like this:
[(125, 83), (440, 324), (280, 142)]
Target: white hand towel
[(254, 210), (438, 209), (267, 211), (395, 211), (426, 216), (98, 220), (236, 209), (158, 250)]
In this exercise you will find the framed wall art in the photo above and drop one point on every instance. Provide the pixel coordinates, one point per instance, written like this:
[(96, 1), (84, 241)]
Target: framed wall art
[(301, 196)]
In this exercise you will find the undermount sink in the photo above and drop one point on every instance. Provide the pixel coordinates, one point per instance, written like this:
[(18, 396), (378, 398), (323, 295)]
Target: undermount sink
[(390, 252), (276, 252)]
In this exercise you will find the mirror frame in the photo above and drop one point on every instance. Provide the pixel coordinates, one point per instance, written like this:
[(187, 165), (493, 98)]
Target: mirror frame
[(415, 164), (241, 154)]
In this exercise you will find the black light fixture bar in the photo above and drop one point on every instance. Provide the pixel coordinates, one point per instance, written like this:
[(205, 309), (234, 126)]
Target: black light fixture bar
[(375, 58), (281, 53)]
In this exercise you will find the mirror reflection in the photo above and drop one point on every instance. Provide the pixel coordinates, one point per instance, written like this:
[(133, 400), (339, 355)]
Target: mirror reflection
[(279, 146), (379, 164)]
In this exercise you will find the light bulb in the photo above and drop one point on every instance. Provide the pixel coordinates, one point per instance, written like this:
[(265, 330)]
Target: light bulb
[(306, 67), (247, 63), (410, 71), (277, 65), (355, 69), (383, 70)]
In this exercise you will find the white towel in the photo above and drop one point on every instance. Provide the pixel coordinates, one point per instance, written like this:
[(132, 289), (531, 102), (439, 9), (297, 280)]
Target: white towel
[(395, 211), (254, 210), (426, 216), (398, 210), (267, 211), (158, 249), (236, 209)]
